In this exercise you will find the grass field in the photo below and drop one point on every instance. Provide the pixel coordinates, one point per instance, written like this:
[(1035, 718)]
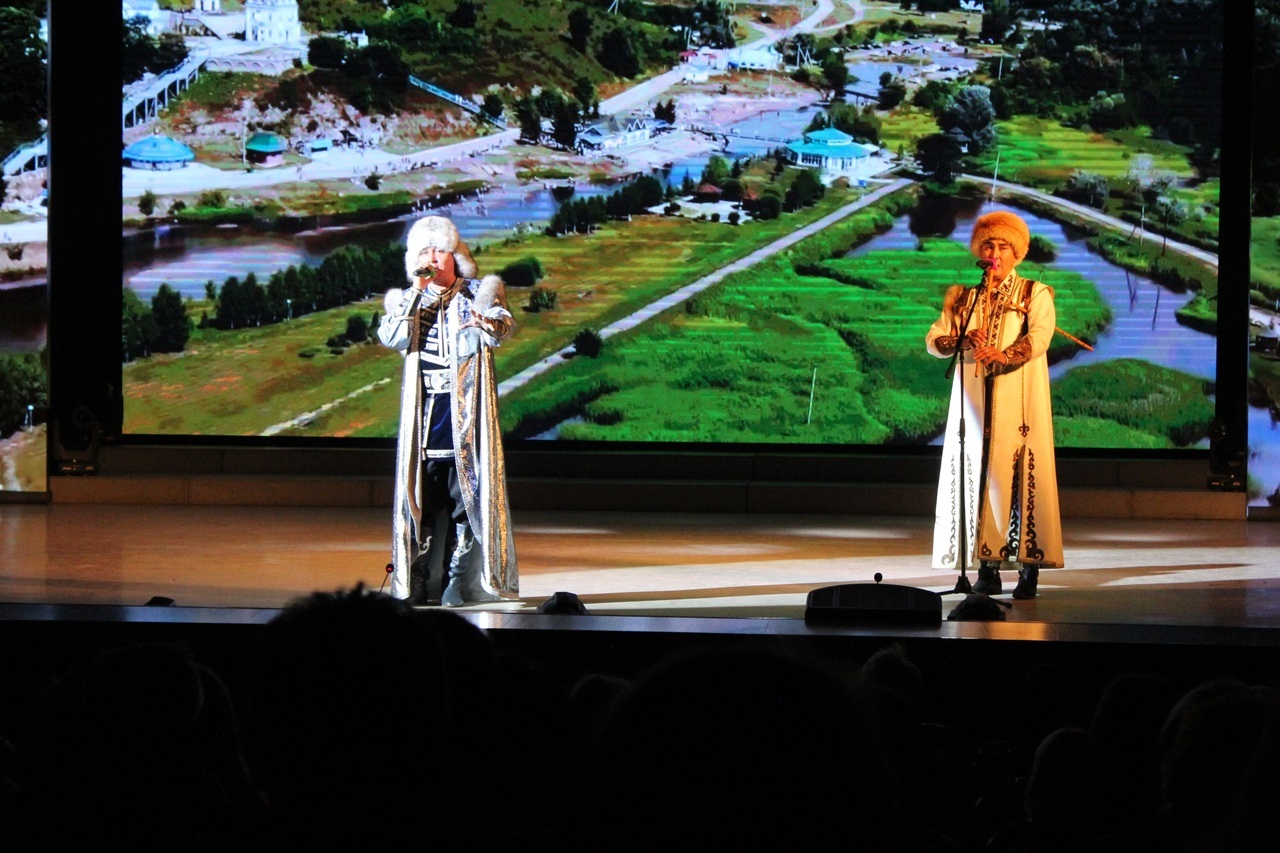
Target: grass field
[(771, 355), (1044, 153), (1264, 255), (904, 127), (241, 382)]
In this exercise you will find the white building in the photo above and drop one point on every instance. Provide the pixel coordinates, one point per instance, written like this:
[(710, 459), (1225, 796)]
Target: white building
[(615, 132), (764, 58), (832, 152), (272, 22), (157, 18)]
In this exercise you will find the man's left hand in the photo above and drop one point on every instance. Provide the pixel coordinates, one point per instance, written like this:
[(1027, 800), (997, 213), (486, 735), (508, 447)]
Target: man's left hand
[(990, 355)]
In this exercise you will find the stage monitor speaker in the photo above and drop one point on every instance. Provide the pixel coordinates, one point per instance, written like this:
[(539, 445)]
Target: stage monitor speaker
[(563, 604), (873, 604)]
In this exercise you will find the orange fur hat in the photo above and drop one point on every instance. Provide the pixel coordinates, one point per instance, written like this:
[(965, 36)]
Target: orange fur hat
[(1001, 225)]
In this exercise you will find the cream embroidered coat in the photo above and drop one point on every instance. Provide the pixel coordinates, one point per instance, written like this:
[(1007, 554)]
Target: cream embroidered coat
[(1009, 483)]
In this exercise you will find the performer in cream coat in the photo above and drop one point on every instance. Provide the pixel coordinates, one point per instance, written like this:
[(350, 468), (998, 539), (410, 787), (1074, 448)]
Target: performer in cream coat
[(1008, 486), (449, 454)]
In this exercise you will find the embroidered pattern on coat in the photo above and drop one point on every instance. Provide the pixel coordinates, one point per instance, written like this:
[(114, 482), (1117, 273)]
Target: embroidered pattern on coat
[(1034, 553), (1014, 539)]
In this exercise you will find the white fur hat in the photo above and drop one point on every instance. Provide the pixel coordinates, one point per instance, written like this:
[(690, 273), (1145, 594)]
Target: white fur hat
[(439, 232)]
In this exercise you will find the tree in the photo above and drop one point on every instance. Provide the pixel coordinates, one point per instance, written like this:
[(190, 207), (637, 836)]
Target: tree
[(493, 105), (805, 190), (1109, 112), (522, 273), (769, 205), (716, 172), (997, 21), (23, 382), (357, 329), (327, 51), (171, 51), (147, 203), (892, 93), (22, 67), (835, 73), (172, 325), (939, 157), (933, 96), (618, 54), (564, 123), (530, 120), (712, 20), (1088, 187), (972, 114), (584, 91), (579, 28), (464, 15), (137, 327), (140, 49)]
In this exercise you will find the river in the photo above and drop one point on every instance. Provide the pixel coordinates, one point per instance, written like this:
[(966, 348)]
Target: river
[(186, 259), (1144, 324)]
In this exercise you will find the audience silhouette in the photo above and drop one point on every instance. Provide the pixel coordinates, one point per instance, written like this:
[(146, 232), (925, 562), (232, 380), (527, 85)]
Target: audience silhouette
[(365, 723)]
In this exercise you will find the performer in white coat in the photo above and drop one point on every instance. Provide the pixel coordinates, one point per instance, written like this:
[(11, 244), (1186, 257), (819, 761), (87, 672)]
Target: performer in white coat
[(449, 454), (1008, 486)]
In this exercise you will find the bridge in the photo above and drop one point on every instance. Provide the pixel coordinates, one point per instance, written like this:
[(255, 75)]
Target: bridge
[(27, 157), (142, 106), (862, 95), (727, 133), (468, 105)]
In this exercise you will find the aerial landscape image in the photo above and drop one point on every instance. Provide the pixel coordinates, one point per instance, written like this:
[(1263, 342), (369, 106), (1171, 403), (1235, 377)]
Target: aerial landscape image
[(717, 222)]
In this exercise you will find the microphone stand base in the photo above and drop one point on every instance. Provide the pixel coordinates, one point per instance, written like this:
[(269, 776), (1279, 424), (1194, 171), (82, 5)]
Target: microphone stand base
[(963, 587)]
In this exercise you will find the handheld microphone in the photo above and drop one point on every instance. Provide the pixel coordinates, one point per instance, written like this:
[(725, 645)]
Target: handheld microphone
[(426, 271), (986, 264)]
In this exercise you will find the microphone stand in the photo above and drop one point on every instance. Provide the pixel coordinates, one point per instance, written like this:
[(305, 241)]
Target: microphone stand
[(963, 586)]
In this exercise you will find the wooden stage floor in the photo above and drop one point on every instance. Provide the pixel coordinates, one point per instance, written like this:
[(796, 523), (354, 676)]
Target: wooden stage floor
[(735, 573)]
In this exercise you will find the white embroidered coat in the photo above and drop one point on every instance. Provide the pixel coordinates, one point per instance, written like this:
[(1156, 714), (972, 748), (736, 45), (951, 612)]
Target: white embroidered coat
[(477, 438), (1009, 483)]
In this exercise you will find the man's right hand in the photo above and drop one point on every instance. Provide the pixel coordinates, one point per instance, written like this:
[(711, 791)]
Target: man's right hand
[(974, 338)]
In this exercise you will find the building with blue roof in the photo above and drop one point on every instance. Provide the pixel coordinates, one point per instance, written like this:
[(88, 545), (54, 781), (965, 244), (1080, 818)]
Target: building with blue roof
[(833, 152), (266, 149), (158, 152)]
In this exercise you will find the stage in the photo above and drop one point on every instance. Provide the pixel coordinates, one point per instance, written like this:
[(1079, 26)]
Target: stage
[(717, 573)]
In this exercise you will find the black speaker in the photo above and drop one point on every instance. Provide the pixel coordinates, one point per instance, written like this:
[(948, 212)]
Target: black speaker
[(872, 604)]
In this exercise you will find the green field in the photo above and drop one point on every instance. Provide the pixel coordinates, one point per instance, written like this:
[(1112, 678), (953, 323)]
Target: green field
[(771, 355), (1044, 153), (244, 381), (1264, 255)]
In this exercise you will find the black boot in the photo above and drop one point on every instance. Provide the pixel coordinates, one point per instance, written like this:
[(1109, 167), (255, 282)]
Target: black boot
[(420, 578), (988, 579), (1028, 576), (464, 587)]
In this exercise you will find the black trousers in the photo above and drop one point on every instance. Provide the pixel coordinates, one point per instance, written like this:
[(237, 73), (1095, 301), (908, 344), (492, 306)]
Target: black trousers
[(442, 496)]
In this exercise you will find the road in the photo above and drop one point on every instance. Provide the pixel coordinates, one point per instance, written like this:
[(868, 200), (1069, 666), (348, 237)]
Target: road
[(1090, 213), (689, 290), (341, 165)]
